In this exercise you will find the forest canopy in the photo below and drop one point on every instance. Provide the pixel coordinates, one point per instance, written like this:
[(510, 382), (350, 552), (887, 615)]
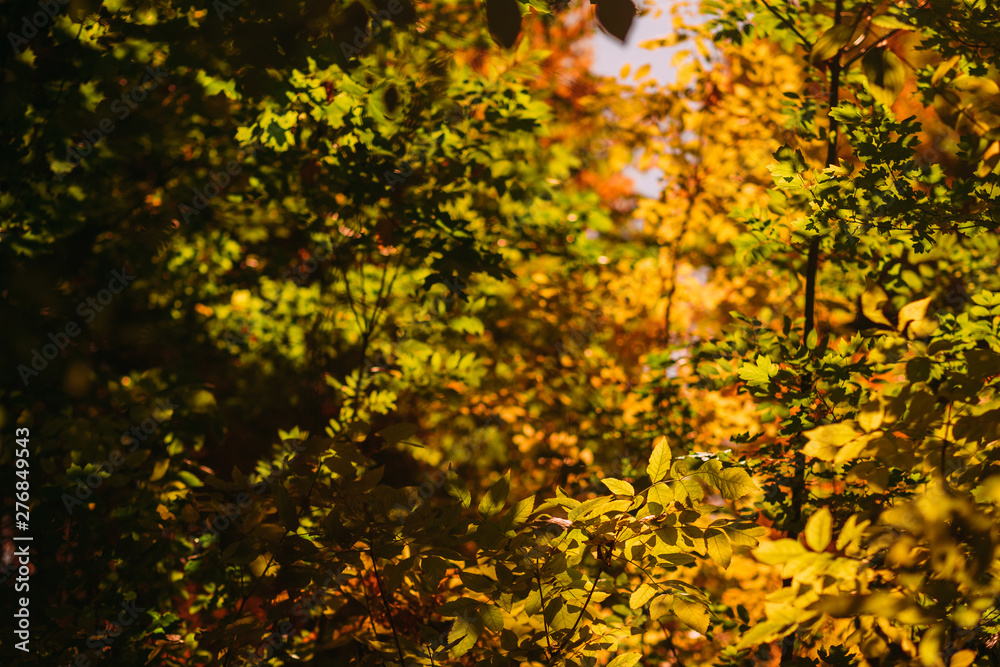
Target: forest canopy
[(336, 333)]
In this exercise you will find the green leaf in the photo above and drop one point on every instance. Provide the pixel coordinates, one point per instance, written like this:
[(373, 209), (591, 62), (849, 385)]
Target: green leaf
[(692, 614), (493, 502), (456, 488), (477, 582), (464, 634), (659, 461), (457, 607), (830, 42), (398, 433), (819, 530), (492, 617), (517, 514), (760, 373), (533, 603), (846, 112), (619, 487), (890, 22), (641, 596)]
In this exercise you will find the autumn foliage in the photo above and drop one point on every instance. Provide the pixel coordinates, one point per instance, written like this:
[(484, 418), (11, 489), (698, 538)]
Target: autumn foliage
[(407, 372)]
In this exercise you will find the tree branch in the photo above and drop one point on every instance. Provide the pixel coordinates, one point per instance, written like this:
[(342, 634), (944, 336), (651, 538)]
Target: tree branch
[(388, 607), (804, 43)]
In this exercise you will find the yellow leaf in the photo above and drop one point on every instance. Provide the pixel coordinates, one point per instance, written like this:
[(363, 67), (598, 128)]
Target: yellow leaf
[(871, 416), (240, 299), (819, 530), (826, 441), (692, 614), (718, 547), (872, 301), (779, 551), (853, 449), (660, 606), (619, 487), (761, 633), (848, 531), (963, 658), (625, 659), (641, 596), (912, 312), (659, 461), (830, 42), (661, 494), (159, 470), (930, 647), (820, 450), (942, 69), (976, 84)]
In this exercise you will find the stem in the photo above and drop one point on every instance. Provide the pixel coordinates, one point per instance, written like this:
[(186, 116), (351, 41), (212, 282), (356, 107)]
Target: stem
[(803, 42), (388, 607), (812, 267), (239, 612), (545, 623), (600, 571), (368, 602)]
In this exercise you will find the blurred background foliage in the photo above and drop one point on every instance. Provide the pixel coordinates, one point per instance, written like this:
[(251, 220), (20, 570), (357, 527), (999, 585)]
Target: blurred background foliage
[(373, 255)]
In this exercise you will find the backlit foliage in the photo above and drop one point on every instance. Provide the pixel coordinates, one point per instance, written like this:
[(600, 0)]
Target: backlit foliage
[(432, 384)]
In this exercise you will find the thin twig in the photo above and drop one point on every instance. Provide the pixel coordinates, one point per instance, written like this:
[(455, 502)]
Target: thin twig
[(600, 571), (388, 607), (545, 623), (804, 43)]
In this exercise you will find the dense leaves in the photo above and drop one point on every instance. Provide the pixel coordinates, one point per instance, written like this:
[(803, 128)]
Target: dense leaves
[(341, 339)]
